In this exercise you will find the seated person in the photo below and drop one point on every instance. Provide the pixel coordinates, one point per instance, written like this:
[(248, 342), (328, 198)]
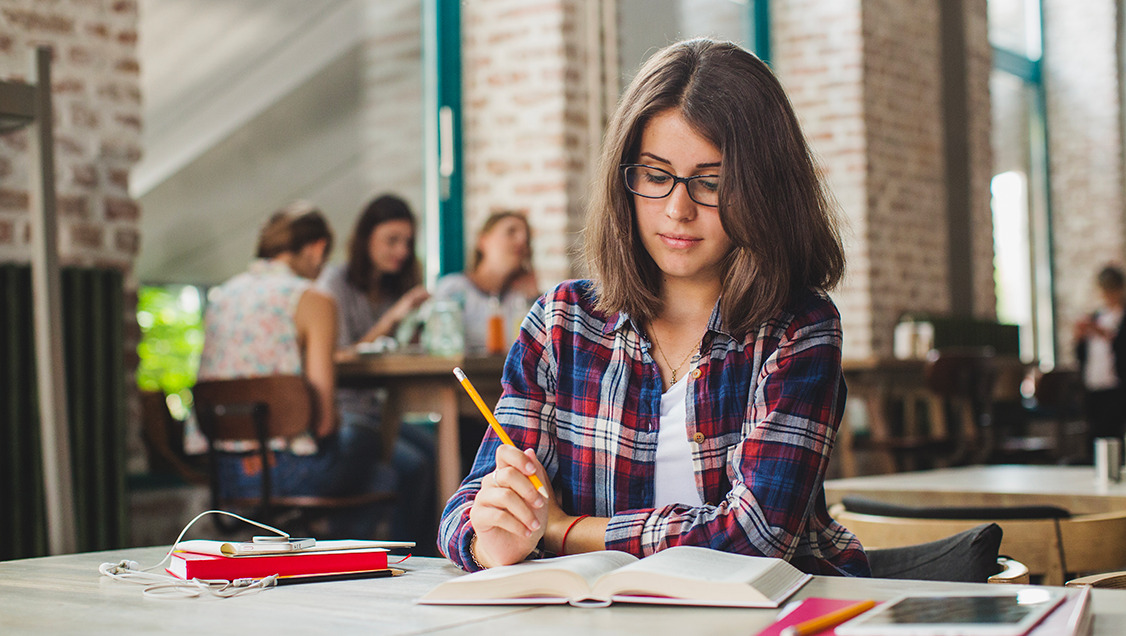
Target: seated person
[(690, 393), (500, 279), (375, 290), (270, 320)]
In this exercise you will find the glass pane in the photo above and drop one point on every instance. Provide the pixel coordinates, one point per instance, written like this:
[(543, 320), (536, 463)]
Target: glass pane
[(1014, 25), (647, 25), (1021, 274)]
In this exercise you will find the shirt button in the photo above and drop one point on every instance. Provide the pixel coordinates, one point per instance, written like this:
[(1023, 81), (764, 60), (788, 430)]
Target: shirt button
[(698, 437), (696, 373)]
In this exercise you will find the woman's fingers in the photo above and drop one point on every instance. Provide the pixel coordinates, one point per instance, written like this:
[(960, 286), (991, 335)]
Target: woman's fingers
[(505, 509)]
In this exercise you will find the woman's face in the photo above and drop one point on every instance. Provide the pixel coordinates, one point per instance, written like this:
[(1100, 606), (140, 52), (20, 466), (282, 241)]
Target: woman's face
[(684, 238), (506, 244), (390, 246)]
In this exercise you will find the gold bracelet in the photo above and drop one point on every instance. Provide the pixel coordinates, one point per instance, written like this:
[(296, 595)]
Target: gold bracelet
[(473, 552)]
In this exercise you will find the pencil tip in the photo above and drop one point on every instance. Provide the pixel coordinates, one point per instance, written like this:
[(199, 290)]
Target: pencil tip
[(459, 374)]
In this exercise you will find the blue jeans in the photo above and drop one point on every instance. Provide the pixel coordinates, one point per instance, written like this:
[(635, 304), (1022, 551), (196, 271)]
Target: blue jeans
[(345, 464), (412, 461)]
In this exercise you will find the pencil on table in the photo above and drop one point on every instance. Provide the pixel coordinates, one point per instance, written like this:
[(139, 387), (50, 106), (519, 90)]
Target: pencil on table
[(828, 621), (493, 421)]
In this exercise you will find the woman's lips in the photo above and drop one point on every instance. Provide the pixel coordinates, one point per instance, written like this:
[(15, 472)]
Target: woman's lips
[(677, 241)]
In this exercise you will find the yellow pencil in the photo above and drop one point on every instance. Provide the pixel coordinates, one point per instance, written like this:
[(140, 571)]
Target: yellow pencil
[(493, 421), (828, 621)]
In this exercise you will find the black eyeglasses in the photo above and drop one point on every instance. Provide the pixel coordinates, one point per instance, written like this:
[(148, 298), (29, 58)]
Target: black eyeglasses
[(655, 183)]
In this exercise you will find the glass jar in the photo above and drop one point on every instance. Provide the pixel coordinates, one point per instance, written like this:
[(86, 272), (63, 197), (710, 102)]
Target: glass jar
[(445, 335)]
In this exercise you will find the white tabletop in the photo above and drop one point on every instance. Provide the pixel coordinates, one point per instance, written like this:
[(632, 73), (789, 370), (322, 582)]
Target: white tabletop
[(66, 595), (1071, 487)]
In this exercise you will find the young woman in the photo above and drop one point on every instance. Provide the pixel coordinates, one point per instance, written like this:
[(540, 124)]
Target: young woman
[(1100, 347), (377, 288), (500, 274), (690, 393)]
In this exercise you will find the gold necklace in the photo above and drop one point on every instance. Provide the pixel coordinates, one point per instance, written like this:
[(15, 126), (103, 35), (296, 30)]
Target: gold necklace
[(666, 358)]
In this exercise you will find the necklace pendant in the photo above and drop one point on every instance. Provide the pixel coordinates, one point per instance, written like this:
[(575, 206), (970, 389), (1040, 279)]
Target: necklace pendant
[(674, 376)]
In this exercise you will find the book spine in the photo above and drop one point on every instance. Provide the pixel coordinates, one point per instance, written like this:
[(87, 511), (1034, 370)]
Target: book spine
[(230, 568)]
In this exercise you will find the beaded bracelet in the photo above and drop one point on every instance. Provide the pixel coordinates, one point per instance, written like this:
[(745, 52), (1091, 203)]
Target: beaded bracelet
[(563, 543), (473, 552)]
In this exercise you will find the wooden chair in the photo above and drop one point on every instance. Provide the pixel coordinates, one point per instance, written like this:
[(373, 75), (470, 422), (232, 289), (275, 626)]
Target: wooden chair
[(961, 383), (970, 556), (1052, 548), (260, 409), (1107, 580), (162, 436)]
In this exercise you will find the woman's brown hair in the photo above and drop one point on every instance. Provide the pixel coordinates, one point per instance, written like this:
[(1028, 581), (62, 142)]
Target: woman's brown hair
[(360, 270), (494, 219), (780, 218), (292, 228)]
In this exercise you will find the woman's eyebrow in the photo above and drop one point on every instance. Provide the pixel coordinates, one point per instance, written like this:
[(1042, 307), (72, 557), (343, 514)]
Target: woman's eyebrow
[(716, 164)]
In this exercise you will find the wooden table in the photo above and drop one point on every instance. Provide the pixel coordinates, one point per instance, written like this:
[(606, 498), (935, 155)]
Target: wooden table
[(66, 595), (1070, 487), (427, 383), (876, 382)]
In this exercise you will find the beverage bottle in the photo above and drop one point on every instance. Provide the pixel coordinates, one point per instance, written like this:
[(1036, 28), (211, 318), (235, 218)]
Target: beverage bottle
[(494, 334)]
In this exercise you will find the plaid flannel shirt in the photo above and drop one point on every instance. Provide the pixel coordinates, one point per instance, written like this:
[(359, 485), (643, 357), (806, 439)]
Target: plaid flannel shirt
[(581, 388)]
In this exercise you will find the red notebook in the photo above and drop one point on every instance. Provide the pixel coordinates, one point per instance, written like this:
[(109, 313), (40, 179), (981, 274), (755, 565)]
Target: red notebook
[(189, 565), (807, 609)]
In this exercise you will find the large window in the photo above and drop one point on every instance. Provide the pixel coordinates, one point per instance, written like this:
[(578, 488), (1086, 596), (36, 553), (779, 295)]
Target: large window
[(647, 25), (1022, 243)]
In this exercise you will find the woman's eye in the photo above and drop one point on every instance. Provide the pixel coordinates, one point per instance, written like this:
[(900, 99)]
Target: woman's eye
[(656, 177), (711, 184)]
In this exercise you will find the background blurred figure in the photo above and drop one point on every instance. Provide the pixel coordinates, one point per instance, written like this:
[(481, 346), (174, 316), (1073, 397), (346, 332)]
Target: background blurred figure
[(1101, 350), (375, 290), (270, 320), (500, 281)]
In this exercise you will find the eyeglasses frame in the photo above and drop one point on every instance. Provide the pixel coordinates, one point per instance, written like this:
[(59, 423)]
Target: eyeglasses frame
[(675, 181)]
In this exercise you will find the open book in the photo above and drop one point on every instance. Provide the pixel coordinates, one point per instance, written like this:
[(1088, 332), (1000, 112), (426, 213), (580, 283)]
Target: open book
[(683, 575)]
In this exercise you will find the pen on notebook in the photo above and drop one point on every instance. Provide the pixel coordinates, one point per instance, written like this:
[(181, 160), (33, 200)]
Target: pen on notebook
[(493, 421), (828, 621)]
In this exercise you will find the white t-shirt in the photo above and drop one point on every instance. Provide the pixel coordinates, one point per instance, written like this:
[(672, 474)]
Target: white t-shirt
[(1099, 373), (674, 477), (475, 309)]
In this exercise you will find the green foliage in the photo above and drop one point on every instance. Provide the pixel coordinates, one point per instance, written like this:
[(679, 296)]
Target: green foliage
[(171, 341)]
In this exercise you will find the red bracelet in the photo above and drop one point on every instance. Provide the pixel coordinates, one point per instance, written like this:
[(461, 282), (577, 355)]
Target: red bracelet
[(563, 543)]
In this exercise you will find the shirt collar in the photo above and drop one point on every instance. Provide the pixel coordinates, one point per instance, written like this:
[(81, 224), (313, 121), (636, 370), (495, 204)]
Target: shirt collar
[(270, 267), (715, 323)]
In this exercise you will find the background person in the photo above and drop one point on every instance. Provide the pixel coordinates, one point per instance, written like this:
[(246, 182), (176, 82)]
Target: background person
[(375, 290), (270, 321), (500, 278), (690, 393), (1100, 344)]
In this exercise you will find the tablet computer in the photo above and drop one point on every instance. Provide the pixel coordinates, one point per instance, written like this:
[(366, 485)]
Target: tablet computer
[(993, 614)]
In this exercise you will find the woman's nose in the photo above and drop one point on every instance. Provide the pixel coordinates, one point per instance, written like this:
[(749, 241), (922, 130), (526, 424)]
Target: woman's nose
[(678, 205)]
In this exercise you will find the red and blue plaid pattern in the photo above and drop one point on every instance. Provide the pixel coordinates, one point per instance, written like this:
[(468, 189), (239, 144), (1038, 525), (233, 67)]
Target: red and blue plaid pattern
[(582, 389)]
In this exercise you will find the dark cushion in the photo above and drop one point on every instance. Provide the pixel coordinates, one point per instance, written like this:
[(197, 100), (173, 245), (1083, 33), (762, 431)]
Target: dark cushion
[(864, 506), (966, 557)]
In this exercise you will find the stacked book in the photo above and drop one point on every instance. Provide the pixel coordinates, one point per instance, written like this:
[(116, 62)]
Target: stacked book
[(327, 560)]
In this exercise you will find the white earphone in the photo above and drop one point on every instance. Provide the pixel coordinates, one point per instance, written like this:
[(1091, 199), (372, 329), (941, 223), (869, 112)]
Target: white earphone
[(167, 586)]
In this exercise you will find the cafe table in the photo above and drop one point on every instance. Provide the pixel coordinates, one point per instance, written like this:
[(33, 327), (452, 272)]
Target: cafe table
[(1072, 487), (418, 382), (66, 595)]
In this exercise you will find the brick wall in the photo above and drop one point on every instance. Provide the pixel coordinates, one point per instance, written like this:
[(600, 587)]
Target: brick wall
[(525, 121), (818, 56), (865, 78), (979, 66), (97, 106), (1081, 76)]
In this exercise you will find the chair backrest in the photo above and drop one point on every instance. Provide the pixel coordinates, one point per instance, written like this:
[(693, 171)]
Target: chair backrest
[(226, 406), (960, 373), (1051, 547), (969, 556)]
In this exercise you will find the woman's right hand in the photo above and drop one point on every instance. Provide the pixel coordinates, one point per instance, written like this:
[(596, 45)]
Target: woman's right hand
[(407, 303), (509, 516)]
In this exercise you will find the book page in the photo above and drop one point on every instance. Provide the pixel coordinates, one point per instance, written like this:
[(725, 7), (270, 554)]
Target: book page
[(560, 577), (704, 575)]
